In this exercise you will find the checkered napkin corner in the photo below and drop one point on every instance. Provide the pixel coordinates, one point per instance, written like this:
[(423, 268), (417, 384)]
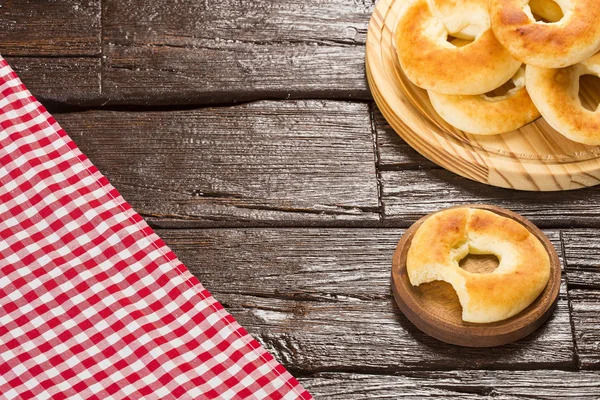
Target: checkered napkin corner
[(93, 304)]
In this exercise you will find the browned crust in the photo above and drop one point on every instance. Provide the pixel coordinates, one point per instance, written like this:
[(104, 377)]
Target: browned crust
[(440, 234), (507, 289), (484, 64), (481, 115), (573, 39), (554, 92)]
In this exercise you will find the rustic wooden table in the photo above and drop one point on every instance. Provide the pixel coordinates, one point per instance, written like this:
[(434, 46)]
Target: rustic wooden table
[(245, 134)]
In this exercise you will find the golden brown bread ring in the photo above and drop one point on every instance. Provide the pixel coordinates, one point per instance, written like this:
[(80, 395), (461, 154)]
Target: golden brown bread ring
[(448, 236), (547, 45), (432, 63), (484, 115), (555, 92)]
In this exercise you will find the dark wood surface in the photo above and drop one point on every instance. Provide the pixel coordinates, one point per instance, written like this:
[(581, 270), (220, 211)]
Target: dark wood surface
[(435, 308), (257, 163), (60, 81), (540, 384), (582, 247), (51, 28), (244, 132), (320, 300), (209, 51)]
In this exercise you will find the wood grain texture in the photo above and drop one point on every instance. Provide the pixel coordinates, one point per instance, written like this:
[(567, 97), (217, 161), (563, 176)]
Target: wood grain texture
[(407, 195), (534, 157), (188, 22), (393, 152), (317, 265), (74, 81), (50, 28), (582, 250), (434, 307), (296, 162), (320, 300), (206, 52), (375, 337), (305, 264), (546, 384), (586, 324), (231, 72)]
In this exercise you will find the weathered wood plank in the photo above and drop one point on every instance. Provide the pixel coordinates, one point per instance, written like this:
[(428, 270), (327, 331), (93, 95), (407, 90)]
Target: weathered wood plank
[(297, 162), (586, 323), (374, 337), (407, 195), (74, 81), (50, 27), (320, 300), (231, 72), (206, 52), (304, 264), (582, 250), (545, 384), (393, 151), (186, 22)]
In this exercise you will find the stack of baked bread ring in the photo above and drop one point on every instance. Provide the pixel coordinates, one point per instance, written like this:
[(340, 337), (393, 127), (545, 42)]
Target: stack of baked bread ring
[(461, 51)]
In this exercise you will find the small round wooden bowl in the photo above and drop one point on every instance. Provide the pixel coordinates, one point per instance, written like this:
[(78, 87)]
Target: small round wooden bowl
[(535, 157), (434, 307)]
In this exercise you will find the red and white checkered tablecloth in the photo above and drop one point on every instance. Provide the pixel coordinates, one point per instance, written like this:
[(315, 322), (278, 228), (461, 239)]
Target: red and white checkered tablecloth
[(93, 304)]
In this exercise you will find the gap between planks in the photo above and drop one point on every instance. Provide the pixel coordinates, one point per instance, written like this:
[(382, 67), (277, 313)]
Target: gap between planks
[(304, 293), (408, 186), (63, 108)]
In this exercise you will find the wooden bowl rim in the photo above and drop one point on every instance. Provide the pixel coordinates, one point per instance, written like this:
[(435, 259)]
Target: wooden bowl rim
[(510, 169), (476, 335)]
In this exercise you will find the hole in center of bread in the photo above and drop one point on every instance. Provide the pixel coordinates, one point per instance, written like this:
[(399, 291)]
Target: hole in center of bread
[(502, 90), (589, 91), (458, 42), (546, 11), (479, 263)]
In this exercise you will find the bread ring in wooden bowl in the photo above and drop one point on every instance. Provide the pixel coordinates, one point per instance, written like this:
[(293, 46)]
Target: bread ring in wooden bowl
[(555, 92), (446, 237), (485, 114), (575, 37), (433, 63), (435, 308)]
